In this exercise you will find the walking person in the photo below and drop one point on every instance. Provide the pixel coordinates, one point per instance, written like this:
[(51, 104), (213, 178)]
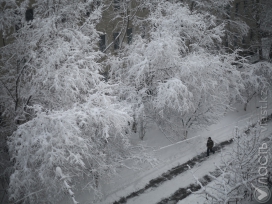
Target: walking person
[(209, 146)]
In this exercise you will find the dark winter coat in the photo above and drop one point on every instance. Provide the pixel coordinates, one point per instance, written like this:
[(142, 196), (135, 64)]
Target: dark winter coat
[(209, 143)]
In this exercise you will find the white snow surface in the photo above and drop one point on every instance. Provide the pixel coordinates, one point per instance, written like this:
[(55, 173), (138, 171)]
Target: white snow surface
[(171, 155)]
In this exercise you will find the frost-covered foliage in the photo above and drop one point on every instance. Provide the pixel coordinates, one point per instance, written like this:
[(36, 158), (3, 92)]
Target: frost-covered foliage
[(257, 79), (8, 20), (262, 16), (88, 140), (234, 26), (8, 17), (69, 123), (53, 54), (266, 15), (177, 75), (245, 166)]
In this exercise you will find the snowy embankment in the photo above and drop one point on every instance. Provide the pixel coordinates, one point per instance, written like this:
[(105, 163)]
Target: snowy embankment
[(171, 155)]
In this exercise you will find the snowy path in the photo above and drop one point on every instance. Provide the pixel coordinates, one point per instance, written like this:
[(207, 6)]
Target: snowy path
[(187, 151), (170, 187), (131, 181), (181, 181), (198, 199), (172, 173), (194, 198)]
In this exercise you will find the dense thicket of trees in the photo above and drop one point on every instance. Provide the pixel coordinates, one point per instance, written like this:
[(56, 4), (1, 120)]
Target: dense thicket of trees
[(63, 121), (181, 76), (65, 117), (261, 16)]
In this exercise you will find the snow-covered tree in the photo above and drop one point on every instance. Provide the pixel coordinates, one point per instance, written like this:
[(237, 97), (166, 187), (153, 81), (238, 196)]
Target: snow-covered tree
[(235, 28), (256, 78), (242, 169), (7, 16), (261, 16), (257, 14), (69, 123), (125, 15), (266, 27), (8, 20), (177, 76)]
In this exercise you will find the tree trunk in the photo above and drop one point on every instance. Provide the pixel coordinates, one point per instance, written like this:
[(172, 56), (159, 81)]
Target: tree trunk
[(260, 51), (249, 99), (141, 129), (259, 32), (270, 53), (96, 177), (185, 134), (134, 125), (245, 106)]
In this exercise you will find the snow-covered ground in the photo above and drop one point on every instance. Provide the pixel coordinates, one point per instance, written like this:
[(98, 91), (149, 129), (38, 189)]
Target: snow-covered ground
[(199, 199), (182, 181), (171, 155)]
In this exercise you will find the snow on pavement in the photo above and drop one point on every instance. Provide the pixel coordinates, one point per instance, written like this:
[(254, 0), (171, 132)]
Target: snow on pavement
[(180, 153), (194, 198), (183, 180), (129, 181)]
